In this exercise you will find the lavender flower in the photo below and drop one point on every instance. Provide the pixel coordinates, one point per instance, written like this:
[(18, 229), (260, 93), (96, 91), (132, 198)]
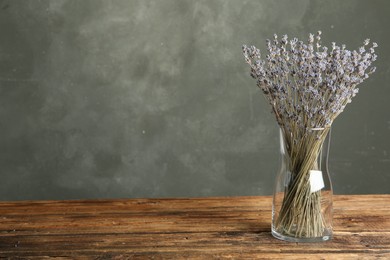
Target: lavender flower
[(309, 88)]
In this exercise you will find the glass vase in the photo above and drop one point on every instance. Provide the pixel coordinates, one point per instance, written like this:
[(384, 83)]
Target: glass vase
[(302, 203)]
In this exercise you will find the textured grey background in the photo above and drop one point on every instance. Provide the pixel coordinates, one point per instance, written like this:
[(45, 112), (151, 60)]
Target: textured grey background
[(105, 99)]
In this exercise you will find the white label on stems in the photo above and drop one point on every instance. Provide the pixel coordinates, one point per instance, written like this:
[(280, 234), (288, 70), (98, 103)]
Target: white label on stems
[(316, 180)]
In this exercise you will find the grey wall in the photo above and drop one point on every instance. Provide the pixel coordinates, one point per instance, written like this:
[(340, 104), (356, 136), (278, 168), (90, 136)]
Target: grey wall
[(105, 99)]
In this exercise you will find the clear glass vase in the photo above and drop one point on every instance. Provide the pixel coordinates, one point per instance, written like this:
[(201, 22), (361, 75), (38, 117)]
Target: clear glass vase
[(302, 204)]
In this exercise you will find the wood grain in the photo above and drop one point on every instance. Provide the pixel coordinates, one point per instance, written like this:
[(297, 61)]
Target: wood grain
[(188, 228)]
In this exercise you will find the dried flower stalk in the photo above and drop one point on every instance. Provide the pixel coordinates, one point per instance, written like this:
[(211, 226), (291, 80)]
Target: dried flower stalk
[(307, 86)]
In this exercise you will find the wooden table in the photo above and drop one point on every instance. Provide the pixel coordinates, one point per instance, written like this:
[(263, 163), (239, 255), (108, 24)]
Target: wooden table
[(195, 228)]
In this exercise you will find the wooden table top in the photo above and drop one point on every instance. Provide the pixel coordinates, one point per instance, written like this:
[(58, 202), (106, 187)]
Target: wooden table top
[(188, 228)]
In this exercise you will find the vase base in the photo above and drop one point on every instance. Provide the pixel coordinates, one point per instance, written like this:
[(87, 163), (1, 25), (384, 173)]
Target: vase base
[(323, 238)]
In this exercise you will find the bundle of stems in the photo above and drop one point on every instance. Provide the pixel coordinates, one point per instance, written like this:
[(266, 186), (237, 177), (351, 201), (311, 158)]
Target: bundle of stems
[(307, 87)]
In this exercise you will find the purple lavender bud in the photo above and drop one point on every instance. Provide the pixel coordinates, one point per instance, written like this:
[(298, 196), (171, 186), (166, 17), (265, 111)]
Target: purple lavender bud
[(284, 39), (311, 38)]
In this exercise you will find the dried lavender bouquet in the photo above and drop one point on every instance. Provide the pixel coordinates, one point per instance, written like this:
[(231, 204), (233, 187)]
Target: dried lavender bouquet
[(307, 86)]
